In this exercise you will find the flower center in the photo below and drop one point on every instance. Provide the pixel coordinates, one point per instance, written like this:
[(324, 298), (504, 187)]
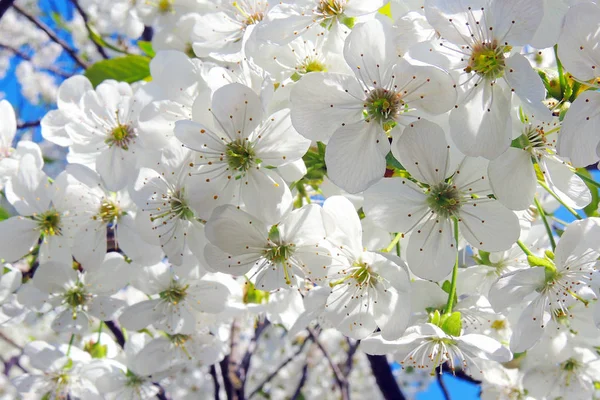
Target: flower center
[(121, 136), (249, 13), (165, 6), (49, 223), (108, 212), (240, 155), (76, 296), (313, 65), (444, 199), (179, 339), (487, 60), (175, 294), (383, 105), (364, 275), (179, 205), (279, 253), (331, 8)]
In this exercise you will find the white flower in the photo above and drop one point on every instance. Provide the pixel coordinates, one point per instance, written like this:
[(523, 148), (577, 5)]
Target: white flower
[(452, 191), (427, 346), (479, 40), (553, 285), (175, 301), (353, 113), (276, 256), (60, 376), (31, 193), (235, 144), (369, 290), (77, 294), (515, 168)]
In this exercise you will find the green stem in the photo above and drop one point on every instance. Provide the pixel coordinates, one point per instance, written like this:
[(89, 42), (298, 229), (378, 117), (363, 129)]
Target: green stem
[(100, 331), (588, 180), (394, 242), (546, 224), (452, 293), (524, 248), (70, 344), (561, 74), (569, 209)]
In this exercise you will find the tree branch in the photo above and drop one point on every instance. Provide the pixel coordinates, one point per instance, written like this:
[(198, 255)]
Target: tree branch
[(29, 124), (215, 378), (303, 378), (4, 6), (340, 378), (116, 331), (25, 57), (89, 29), (443, 386), (274, 373), (52, 35), (384, 377)]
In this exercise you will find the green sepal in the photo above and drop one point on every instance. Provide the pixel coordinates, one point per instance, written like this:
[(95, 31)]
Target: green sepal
[(452, 324)]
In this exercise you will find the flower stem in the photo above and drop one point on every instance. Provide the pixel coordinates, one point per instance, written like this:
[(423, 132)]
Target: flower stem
[(452, 293), (524, 248), (569, 209), (70, 344), (394, 242), (546, 224), (100, 331)]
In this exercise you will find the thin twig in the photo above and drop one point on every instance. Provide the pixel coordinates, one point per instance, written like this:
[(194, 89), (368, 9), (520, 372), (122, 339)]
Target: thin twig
[(460, 374), (9, 341), (25, 57), (215, 378), (340, 378), (52, 35), (384, 378), (4, 6), (274, 373), (242, 370), (29, 124), (443, 386), (352, 347), (89, 29), (116, 331), (303, 378)]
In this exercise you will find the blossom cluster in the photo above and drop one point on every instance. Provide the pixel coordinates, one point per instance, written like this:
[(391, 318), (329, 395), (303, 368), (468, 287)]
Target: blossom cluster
[(300, 182)]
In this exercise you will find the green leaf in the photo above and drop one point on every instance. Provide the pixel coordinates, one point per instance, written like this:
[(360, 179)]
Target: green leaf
[(4, 214), (453, 324), (591, 210), (435, 317), (131, 68), (146, 47)]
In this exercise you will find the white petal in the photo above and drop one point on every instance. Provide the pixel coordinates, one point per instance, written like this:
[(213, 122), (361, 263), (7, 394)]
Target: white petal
[(65, 322), (278, 143), (116, 166), (237, 108), (343, 226), (355, 156), (516, 21), (482, 125), (207, 296), (488, 225), (578, 43), (530, 328), (432, 249), (106, 308), (54, 277), (17, 237), (9, 124), (526, 84), (395, 204), (140, 315), (265, 194), (323, 102), (303, 226), (370, 52), (513, 287), (486, 347), (423, 151), (235, 232), (513, 179), (579, 139), (565, 184)]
